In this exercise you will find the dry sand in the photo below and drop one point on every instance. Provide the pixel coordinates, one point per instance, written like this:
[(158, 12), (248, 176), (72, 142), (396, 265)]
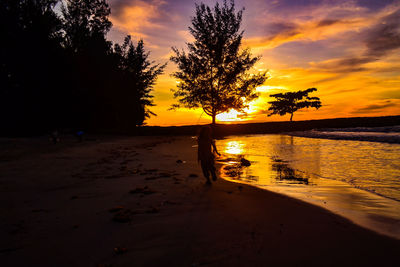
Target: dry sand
[(128, 202)]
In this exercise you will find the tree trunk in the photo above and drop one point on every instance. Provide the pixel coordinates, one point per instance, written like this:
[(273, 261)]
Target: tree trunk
[(213, 119), (291, 116)]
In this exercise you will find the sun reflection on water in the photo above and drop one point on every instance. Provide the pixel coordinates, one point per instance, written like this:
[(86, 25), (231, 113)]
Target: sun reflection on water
[(234, 148), (341, 176)]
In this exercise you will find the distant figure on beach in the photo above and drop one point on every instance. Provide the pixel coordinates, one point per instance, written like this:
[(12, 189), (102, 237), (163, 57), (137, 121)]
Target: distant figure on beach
[(54, 137), (79, 135), (205, 153)]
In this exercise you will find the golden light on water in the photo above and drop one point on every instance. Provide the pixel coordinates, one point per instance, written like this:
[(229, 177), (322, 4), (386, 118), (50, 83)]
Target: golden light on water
[(234, 148), (307, 169)]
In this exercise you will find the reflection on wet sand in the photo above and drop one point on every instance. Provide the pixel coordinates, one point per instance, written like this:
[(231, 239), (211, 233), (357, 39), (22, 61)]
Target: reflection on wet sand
[(234, 167), (285, 173), (345, 177)]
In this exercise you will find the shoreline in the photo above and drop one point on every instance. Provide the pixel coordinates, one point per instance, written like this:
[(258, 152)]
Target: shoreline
[(305, 179), (59, 203), (380, 224)]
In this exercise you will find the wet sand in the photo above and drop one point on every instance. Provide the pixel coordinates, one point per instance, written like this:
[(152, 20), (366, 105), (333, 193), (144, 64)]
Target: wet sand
[(141, 201)]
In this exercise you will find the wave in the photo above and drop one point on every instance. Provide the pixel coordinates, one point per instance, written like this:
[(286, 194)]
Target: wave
[(373, 134), (386, 129)]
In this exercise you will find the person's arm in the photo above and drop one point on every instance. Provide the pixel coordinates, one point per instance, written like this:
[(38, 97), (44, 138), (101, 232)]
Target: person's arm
[(215, 148)]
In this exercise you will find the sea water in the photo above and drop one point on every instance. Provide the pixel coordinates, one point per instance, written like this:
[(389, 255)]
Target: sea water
[(359, 180)]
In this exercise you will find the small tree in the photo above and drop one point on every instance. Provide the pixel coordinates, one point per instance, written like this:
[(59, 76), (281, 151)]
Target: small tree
[(213, 74), (292, 101)]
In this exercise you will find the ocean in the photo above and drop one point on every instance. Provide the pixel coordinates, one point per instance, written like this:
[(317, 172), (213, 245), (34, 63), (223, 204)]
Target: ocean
[(354, 178)]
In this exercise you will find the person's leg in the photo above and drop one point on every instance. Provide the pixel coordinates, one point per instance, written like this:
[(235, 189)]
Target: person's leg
[(212, 171), (206, 172), (214, 176)]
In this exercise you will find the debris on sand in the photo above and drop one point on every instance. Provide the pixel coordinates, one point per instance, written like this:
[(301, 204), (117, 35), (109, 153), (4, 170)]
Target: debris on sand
[(164, 174), (120, 250), (122, 216), (125, 215), (142, 190), (115, 209), (245, 162), (152, 210), (135, 171), (113, 176), (160, 175), (150, 170)]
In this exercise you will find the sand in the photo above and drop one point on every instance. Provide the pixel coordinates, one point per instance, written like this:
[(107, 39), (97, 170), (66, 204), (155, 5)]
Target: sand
[(141, 201)]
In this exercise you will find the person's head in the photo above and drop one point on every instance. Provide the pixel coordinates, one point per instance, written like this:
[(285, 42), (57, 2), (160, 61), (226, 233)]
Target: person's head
[(205, 132)]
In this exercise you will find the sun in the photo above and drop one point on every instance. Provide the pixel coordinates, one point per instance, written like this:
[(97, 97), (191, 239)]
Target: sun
[(231, 115)]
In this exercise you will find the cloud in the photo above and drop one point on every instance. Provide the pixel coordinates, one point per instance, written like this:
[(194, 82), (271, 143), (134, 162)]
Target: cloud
[(380, 39), (142, 18), (279, 33), (375, 107), (118, 6), (385, 36), (327, 22)]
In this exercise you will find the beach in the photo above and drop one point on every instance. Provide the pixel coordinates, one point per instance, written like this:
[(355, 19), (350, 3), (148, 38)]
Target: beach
[(142, 201)]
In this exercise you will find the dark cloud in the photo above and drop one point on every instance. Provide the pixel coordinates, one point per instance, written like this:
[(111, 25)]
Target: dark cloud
[(375, 107), (117, 6), (385, 36), (293, 4), (281, 29), (392, 94), (374, 5), (346, 65), (380, 40), (327, 22)]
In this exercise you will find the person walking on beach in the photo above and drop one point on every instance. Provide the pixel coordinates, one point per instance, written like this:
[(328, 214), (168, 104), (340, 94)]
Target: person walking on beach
[(205, 153)]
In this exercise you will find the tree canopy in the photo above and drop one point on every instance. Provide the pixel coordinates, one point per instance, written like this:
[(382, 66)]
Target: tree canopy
[(214, 73), (290, 102), (140, 73), (59, 71)]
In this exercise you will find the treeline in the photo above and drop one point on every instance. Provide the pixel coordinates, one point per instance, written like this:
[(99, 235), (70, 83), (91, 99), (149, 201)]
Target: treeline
[(59, 71), (221, 130)]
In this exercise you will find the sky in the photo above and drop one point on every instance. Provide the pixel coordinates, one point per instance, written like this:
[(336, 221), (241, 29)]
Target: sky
[(349, 50)]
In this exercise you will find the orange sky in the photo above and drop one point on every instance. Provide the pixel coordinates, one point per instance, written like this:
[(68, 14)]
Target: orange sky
[(348, 50)]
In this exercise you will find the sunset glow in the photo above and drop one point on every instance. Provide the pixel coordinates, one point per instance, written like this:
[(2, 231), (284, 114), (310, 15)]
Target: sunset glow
[(348, 50), (233, 148)]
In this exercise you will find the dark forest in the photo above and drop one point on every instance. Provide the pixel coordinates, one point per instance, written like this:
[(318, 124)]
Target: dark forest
[(59, 71)]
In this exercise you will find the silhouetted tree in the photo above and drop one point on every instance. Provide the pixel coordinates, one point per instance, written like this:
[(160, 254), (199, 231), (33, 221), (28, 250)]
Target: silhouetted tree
[(214, 74), (290, 102), (29, 57), (86, 23), (140, 75), (58, 70)]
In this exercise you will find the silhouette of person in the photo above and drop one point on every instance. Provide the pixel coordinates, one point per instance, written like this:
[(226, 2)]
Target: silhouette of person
[(205, 153)]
